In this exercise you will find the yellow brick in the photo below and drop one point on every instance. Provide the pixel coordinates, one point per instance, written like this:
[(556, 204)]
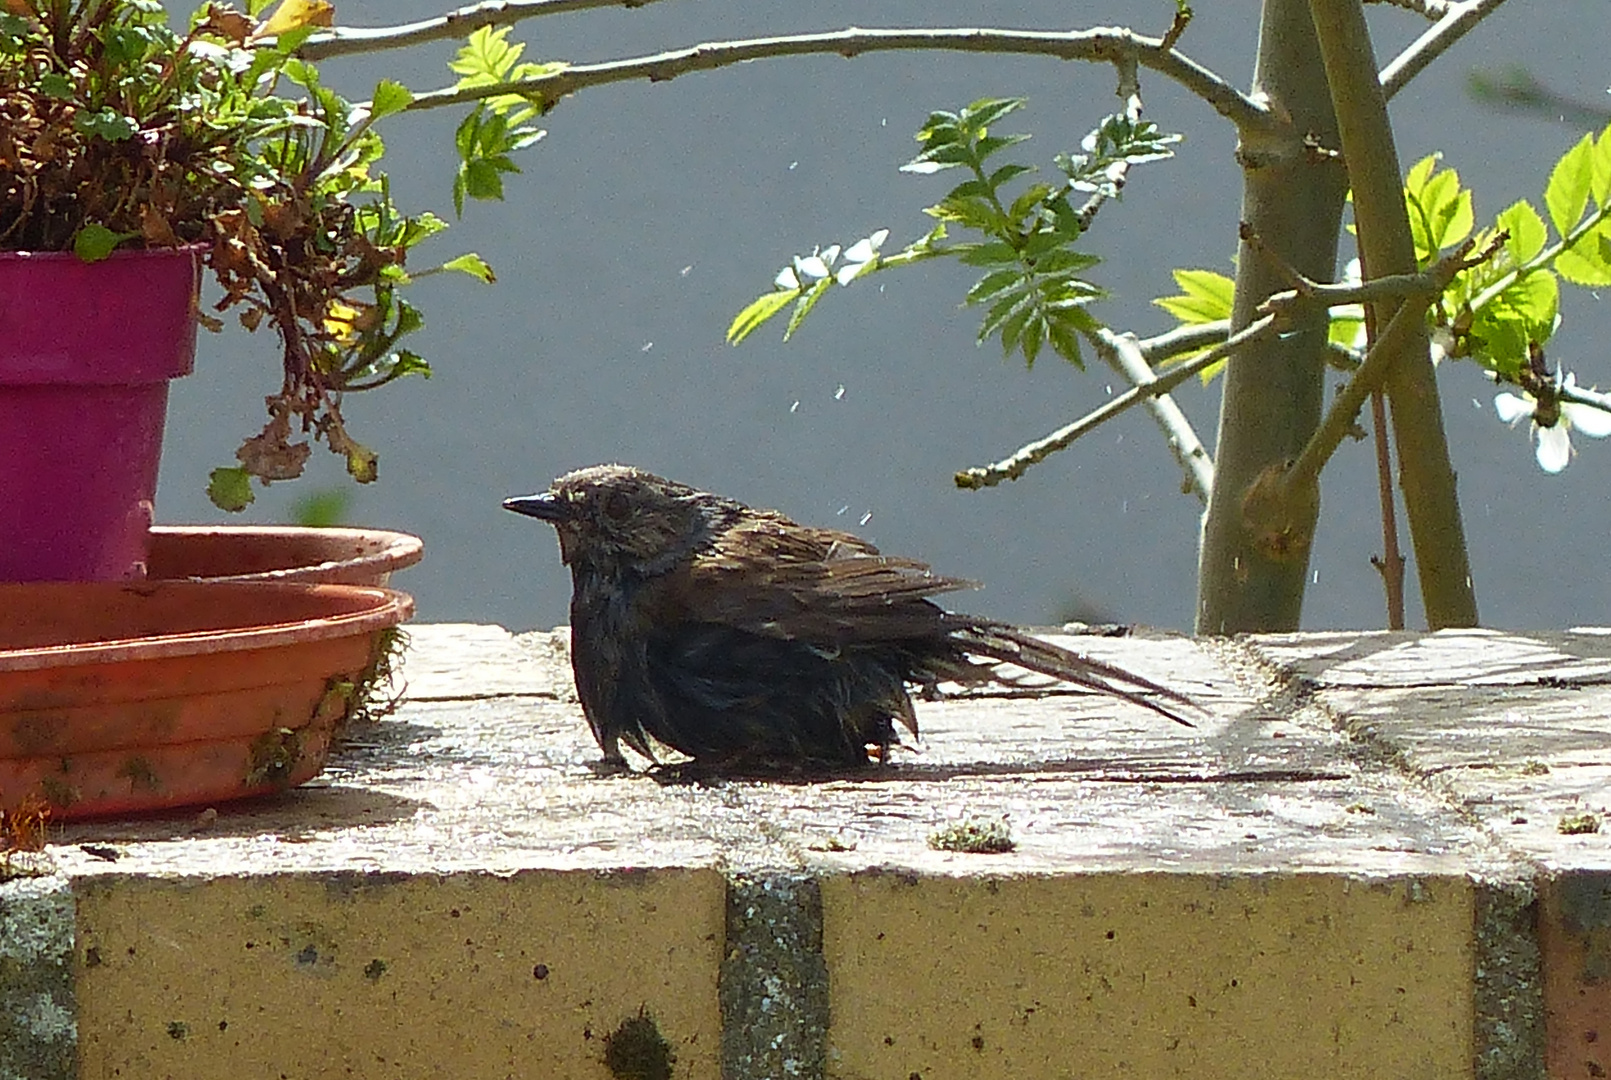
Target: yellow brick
[(312, 976), (1148, 975)]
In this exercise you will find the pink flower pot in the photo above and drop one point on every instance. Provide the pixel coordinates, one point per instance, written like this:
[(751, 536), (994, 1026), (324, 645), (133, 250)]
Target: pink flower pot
[(86, 352)]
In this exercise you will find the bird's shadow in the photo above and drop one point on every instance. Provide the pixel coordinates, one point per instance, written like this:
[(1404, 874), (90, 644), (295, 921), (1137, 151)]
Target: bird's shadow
[(1102, 770)]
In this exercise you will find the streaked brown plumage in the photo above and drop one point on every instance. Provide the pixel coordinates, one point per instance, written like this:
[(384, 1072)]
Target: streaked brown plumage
[(740, 637)]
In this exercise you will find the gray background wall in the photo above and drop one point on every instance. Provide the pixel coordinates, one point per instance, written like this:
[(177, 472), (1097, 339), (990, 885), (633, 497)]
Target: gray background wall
[(652, 213)]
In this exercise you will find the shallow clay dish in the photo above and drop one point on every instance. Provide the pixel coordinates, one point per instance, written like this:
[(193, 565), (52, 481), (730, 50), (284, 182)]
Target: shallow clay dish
[(126, 697), (333, 556)]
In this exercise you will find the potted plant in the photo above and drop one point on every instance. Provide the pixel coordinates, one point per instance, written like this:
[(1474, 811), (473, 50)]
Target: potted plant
[(135, 158)]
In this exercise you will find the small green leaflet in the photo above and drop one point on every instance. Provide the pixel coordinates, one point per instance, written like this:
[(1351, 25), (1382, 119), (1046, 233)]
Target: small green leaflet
[(750, 319), (472, 264), (230, 489), (390, 97), (96, 242)]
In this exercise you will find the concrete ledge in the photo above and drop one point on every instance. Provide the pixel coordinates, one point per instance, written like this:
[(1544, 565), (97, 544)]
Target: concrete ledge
[(1355, 869)]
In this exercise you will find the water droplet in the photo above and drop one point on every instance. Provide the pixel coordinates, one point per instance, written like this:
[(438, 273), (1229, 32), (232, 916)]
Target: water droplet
[(842, 509), (839, 394), (647, 345), (795, 407), (793, 165), (865, 518), (684, 272)]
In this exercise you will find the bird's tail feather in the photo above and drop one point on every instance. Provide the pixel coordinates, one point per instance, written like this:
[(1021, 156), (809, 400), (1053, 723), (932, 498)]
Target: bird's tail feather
[(1000, 641)]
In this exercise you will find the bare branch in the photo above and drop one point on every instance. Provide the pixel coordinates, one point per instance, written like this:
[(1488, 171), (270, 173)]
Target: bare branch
[(1418, 292), (1432, 9), (455, 25), (1460, 18), (1103, 44)]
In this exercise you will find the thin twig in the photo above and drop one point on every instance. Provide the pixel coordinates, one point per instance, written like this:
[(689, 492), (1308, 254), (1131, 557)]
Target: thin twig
[(1011, 468), (1177, 27), (1432, 9), (1429, 46), (455, 25), (1277, 311), (1103, 44), (1391, 563), (1122, 352), (1339, 419)]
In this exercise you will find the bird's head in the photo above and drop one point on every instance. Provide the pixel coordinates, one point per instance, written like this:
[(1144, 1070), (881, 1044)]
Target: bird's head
[(620, 517)]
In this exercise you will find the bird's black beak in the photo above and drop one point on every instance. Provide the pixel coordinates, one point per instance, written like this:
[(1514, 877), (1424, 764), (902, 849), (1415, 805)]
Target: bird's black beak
[(544, 506)]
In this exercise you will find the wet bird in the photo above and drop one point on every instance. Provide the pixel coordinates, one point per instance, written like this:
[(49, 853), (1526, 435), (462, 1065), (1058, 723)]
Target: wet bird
[(745, 640)]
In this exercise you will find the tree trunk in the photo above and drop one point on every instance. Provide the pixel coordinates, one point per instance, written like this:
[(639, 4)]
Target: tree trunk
[(1252, 579)]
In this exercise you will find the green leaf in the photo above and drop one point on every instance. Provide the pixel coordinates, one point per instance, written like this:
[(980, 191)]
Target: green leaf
[(1566, 195), (107, 123), (969, 189), (1028, 200), (1343, 329), (405, 363), (992, 283), (1013, 328), (1533, 301), (1001, 310), (53, 84), (1030, 341), (486, 53), (230, 489), (474, 265), (1439, 209), (1008, 172), (482, 179), (1600, 181), (1586, 262), (1416, 178), (1205, 297), (1064, 261), (994, 253), (96, 242), (990, 144), (947, 156), (523, 137), (468, 133), (1065, 342), (805, 304), (1527, 232), (756, 313), (975, 213), (986, 111), (389, 97), (363, 464)]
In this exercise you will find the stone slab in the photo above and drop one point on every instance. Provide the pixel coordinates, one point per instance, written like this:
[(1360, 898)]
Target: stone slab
[(1376, 806)]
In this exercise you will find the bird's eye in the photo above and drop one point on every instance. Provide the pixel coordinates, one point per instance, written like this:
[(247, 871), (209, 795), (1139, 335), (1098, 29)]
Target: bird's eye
[(617, 505)]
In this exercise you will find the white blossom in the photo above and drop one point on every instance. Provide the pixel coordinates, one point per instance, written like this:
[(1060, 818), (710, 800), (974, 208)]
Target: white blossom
[(860, 256), (807, 270), (1554, 442)]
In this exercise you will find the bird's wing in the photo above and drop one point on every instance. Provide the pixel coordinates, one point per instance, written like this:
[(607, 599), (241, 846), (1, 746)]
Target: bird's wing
[(771, 576)]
